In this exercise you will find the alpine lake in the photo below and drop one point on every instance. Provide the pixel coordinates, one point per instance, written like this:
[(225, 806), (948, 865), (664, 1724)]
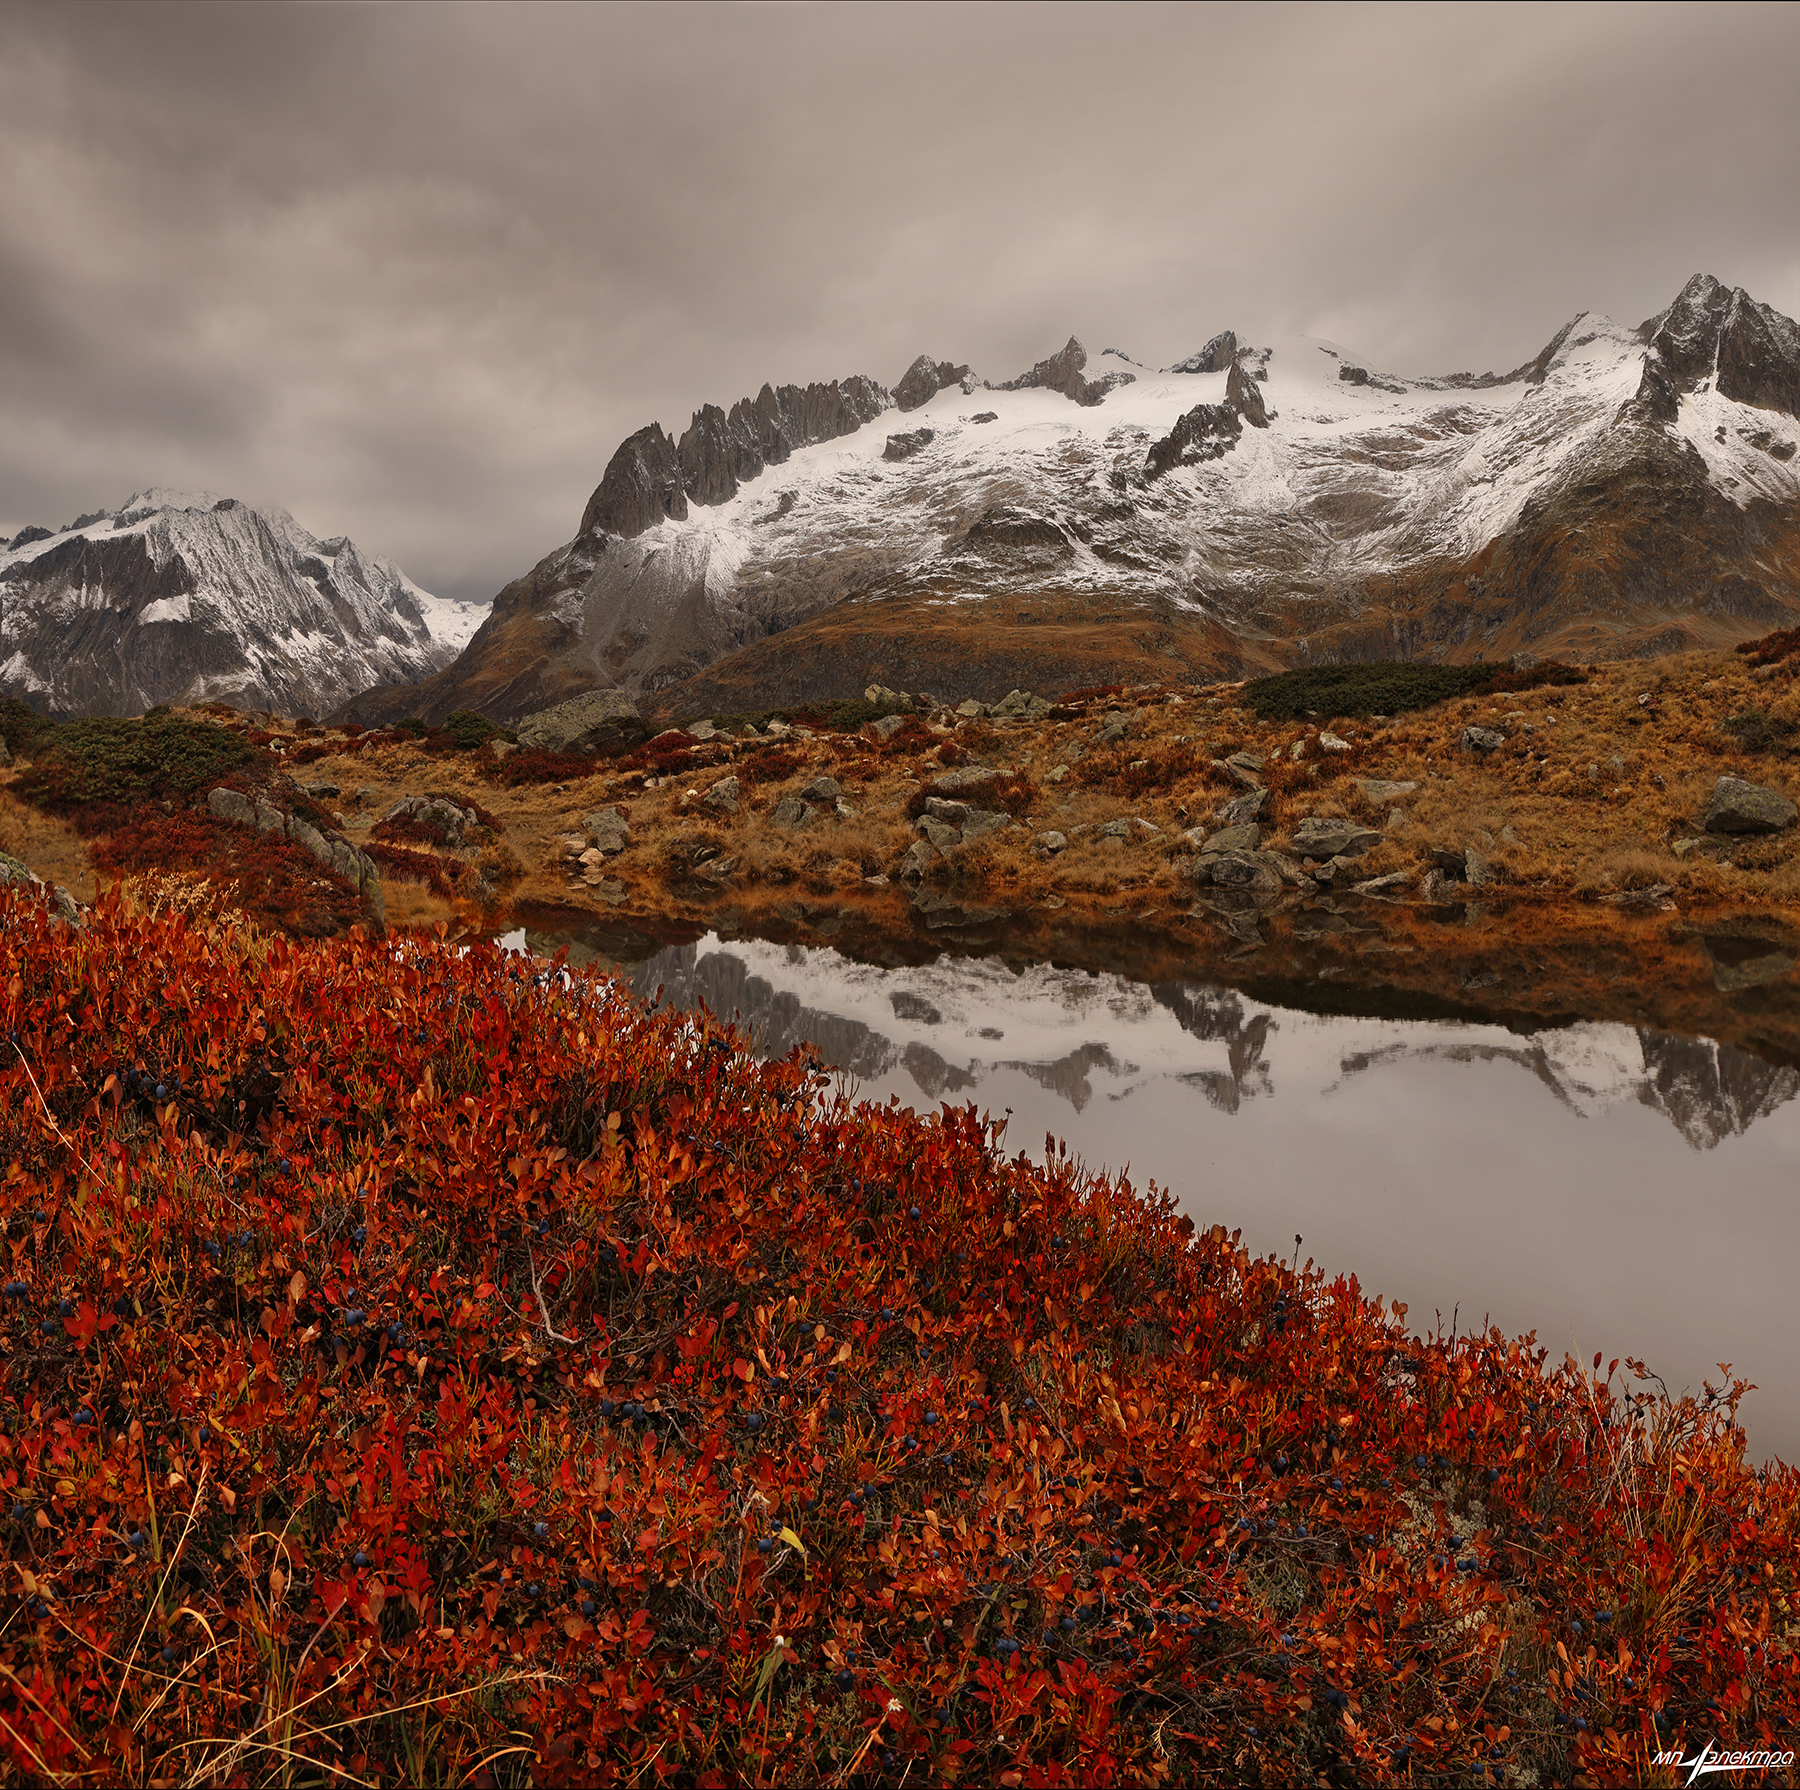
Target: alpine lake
[(1585, 1125)]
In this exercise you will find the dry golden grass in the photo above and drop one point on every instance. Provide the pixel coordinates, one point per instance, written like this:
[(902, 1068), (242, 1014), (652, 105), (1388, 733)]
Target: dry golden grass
[(1593, 790)]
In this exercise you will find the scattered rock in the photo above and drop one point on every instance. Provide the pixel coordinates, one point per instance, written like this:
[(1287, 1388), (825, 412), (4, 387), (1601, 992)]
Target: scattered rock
[(985, 416), (1244, 838), (1481, 739), (1388, 885), (1115, 829), (1238, 869), (434, 811), (1740, 807), (1240, 774), (980, 821), (790, 814), (1331, 742), (971, 776), (1049, 844), (919, 858), (1244, 810), (1246, 761), (1322, 837), (969, 708), (1476, 871), (724, 795), (1059, 775), (1379, 790), (600, 721), (1021, 705), (1436, 886), (822, 789), (893, 699), (1113, 728), (608, 829), (324, 792), (888, 726)]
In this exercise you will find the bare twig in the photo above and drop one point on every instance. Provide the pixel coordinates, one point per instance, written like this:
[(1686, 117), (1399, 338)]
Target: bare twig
[(550, 1329)]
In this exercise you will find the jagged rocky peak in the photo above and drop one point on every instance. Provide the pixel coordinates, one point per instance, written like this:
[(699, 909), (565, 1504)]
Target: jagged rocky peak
[(925, 378), (1244, 395), (1218, 354), (1749, 351), (651, 477), (1062, 372)]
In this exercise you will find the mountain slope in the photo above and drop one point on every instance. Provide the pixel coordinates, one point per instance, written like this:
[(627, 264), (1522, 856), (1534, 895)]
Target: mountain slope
[(187, 597), (1623, 492)]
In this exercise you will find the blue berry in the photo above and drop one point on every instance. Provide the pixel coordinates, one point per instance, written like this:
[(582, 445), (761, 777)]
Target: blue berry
[(765, 1545), (361, 1561), (540, 1530)]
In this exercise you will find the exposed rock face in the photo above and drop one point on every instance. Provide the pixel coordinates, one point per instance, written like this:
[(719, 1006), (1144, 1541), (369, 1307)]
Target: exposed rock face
[(641, 485), (1749, 351), (1740, 807), (1322, 838), (189, 597), (600, 721), (1062, 372), (1207, 432), (651, 477), (924, 379), (903, 447), (1215, 357), (1243, 395)]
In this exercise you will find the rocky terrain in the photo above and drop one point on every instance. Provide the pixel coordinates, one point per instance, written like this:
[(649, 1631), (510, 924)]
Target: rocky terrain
[(187, 597), (1264, 502)]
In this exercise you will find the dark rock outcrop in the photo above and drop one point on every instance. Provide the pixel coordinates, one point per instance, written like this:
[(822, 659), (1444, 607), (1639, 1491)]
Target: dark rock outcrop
[(1749, 350), (1207, 432), (651, 477), (1215, 357), (1241, 391), (641, 485), (924, 379), (1062, 372), (31, 532), (1740, 807), (903, 447)]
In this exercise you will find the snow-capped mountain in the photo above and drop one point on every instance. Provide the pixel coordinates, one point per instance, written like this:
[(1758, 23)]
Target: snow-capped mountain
[(187, 597), (1259, 503)]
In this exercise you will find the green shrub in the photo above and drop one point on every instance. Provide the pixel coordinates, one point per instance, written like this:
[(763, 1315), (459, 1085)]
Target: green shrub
[(22, 727), (1390, 688), (469, 731), (107, 761)]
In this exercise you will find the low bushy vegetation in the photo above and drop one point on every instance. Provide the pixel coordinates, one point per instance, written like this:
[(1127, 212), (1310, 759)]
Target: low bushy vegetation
[(1771, 649), (86, 768), (1325, 691), (418, 1364)]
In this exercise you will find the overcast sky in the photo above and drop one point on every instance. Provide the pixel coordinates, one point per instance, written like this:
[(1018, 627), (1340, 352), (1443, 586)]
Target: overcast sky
[(414, 272)]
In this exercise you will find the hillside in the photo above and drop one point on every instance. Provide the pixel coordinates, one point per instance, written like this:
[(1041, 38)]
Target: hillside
[(1265, 502), (187, 597)]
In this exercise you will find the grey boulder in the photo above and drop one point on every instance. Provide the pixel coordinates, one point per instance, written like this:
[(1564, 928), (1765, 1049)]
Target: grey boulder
[(723, 796), (599, 721), (1323, 837), (1740, 807), (1481, 739), (790, 814), (608, 829)]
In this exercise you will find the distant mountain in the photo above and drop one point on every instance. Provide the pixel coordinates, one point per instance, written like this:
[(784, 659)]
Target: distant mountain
[(1624, 492), (188, 597)]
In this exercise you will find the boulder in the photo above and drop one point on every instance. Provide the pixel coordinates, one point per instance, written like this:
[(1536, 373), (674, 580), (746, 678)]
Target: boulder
[(1332, 742), (1238, 870), (980, 821), (609, 830), (1115, 829), (599, 721), (971, 776), (1322, 837), (1389, 885), (822, 789), (434, 811), (894, 699), (919, 858), (955, 813), (1049, 844), (791, 814), (1021, 705), (332, 850), (887, 726), (323, 792), (1740, 807), (1246, 761), (1244, 838), (970, 708), (724, 795), (1481, 739), (1379, 791), (941, 833), (1244, 810), (1476, 871)]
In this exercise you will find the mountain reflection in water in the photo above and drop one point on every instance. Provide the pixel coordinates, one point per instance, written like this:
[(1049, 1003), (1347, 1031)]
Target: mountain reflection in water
[(1534, 1177)]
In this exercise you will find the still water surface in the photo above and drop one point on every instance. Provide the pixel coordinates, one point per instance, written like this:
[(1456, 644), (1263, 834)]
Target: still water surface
[(1610, 1187)]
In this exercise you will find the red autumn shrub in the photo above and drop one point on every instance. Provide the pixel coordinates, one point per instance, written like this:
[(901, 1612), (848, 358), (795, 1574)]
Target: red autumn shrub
[(268, 876), (532, 765), (418, 1361), (444, 877)]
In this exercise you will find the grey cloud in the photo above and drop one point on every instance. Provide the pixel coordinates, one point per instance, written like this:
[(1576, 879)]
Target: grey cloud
[(415, 272)]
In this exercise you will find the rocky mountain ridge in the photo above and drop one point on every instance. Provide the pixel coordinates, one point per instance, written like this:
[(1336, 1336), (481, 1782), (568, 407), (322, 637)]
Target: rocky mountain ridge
[(1254, 506), (190, 597)]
